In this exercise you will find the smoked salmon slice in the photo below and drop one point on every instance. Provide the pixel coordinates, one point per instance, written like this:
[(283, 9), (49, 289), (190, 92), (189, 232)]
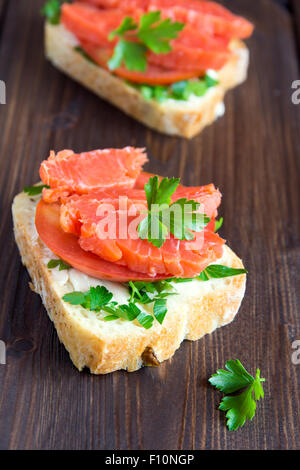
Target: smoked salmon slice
[(209, 17), (88, 215), (66, 246), (67, 172), (197, 48)]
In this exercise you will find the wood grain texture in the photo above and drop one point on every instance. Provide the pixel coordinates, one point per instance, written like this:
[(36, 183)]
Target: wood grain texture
[(252, 155)]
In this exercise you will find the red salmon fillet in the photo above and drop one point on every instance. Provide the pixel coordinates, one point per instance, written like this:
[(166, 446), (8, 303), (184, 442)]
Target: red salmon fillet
[(193, 52), (81, 215), (209, 17), (68, 173)]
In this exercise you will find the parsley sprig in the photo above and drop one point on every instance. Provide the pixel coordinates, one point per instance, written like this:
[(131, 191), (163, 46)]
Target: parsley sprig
[(180, 219), (243, 406), (135, 39), (35, 190)]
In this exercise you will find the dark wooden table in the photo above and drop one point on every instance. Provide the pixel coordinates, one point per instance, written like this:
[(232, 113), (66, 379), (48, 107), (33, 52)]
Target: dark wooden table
[(252, 155)]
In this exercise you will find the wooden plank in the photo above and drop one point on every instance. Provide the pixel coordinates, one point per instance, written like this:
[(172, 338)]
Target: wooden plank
[(252, 155), (295, 10)]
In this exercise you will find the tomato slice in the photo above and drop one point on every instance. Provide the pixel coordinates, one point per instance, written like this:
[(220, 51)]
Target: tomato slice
[(67, 248), (155, 75)]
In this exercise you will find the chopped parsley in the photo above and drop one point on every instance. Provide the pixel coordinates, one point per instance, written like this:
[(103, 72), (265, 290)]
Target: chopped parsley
[(99, 299), (236, 378), (181, 91)]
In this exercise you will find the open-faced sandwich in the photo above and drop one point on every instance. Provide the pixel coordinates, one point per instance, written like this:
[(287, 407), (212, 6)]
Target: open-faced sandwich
[(128, 264), (167, 63)]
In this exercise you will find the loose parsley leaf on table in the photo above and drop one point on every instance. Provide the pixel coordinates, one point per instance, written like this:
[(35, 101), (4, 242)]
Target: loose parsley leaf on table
[(54, 263), (243, 406), (35, 190), (181, 218), (152, 33)]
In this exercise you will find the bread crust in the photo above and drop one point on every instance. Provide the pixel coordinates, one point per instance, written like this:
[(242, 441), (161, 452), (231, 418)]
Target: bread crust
[(103, 350), (179, 118)]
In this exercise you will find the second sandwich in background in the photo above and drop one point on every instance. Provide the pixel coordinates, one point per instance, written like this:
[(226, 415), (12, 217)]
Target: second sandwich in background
[(166, 63)]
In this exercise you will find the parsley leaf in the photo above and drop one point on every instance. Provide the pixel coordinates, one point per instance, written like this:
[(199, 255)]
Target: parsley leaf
[(35, 190), (156, 33), (99, 296), (128, 24), (151, 33), (181, 218), (160, 310), (54, 263), (51, 10), (232, 379), (243, 406), (216, 271), (218, 224), (132, 53), (94, 299), (75, 298)]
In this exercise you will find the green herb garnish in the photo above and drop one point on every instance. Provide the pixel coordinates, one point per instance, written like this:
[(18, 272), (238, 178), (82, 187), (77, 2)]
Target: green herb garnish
[(152, 292), (180, 219), (54, 263), (35, 190), (52, 10), (218, 224), (135, 39), (180, 91), (99, 299), (243, 406), (216, 271)]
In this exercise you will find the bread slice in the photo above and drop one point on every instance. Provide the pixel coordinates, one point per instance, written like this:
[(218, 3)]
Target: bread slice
[(183, 118), (103, 347)]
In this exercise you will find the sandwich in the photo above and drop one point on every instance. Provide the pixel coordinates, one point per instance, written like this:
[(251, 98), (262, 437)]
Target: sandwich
[(166, 63), (128, 264)]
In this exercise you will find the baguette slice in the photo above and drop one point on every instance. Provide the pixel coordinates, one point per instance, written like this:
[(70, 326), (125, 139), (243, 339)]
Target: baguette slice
[(183, 118), (103, 347)]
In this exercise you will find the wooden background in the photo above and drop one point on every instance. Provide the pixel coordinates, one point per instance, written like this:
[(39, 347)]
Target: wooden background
[(252, 155)]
